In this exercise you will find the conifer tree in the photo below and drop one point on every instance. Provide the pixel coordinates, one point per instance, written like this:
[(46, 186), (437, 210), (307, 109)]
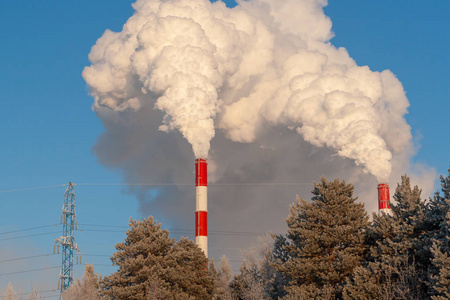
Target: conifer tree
[(152, 266), (394, 267), (224, 277), (441, 281), (88, 288), (9, 293), (34, 295), (440, 271), (258, 278), (325, 242)]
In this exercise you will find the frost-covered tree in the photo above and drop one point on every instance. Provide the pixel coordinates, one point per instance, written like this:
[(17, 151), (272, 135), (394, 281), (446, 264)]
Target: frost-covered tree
[(394, 266), (152, 266), (438, 212), (325, 242), (224, 276), (88, 288), (437, 209), (34, 295), (439, 219), (441, 261), (258, 279), (248, 285), (9, 293)]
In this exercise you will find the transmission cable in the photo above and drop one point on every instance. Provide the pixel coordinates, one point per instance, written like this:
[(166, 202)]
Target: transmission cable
[(26, 271), (22, 258), (32, 188), (31, 228), (31, 235)]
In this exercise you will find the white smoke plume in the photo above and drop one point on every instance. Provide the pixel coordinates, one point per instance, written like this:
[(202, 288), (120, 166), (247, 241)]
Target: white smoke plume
[(262, 64)]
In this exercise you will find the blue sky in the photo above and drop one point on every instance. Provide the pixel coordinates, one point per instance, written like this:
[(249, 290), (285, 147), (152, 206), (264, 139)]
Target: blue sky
[(49, 129)]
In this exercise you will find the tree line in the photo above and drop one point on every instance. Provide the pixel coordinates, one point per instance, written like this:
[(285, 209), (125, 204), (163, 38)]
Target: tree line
[(332, 250)]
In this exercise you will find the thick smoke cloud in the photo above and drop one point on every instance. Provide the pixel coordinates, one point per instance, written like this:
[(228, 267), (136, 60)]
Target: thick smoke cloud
[(206, 66), (257, 89)]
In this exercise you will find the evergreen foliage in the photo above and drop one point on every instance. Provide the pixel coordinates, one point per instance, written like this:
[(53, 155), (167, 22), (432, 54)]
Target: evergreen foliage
[(10, 294), (153, 266), (325, 242), (394, 266), (440, 271), (88, 288), (258, 279), (224, 276), (441, 282)]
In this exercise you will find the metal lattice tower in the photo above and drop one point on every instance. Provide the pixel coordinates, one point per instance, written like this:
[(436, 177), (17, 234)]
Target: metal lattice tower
[(67, 240)]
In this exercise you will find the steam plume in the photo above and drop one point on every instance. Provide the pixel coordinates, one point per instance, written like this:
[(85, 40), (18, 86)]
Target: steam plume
[(263, 64)]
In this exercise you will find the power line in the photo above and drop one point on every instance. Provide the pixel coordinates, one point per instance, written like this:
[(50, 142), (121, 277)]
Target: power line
[(52, 296), (135, 184), (103, 255), (209, 184), (22, 258), (25, 236), (32, 188), (35, 270), (181, 231), (102, 265), (31, 228), (97, 246), (165, 184), (96, 225), (39, 292), (172, 230)]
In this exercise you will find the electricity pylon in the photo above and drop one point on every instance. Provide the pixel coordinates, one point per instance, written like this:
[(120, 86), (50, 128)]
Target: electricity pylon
[(67, 240)]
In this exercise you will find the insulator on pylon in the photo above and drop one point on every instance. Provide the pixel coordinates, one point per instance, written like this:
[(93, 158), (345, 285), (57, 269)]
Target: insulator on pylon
[(54, 248), (76, 225), (60, 222)]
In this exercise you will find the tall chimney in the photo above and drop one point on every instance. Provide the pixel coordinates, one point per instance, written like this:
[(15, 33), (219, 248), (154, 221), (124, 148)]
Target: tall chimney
[(383, 198), (201, 204)]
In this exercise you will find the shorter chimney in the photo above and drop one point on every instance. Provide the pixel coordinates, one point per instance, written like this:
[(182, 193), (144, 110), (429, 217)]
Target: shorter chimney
[(383, 198)]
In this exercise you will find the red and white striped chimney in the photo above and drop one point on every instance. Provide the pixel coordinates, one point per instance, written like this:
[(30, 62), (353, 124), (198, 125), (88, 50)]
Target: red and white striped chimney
[(383, 198), (201, 204)]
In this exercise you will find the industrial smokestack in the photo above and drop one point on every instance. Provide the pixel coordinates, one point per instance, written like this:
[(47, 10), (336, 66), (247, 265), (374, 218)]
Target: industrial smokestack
[(201, 204), (383, 198)]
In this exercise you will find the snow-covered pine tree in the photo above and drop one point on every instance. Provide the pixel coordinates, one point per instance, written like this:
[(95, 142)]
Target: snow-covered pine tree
[(440, 270), (325, 242), (392, 269), (437, 209), (186, 270), (224, 276), (440, 283), (153, 266), (247, 285), (9, 293), (258, 278), (88, 288), (34, 295)]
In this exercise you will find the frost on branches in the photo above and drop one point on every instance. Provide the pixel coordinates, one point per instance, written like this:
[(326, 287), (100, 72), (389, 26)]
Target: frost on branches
[(325, 242), (154, 266)]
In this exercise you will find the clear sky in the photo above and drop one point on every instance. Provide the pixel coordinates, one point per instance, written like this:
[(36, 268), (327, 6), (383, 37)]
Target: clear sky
[(49, 129)]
